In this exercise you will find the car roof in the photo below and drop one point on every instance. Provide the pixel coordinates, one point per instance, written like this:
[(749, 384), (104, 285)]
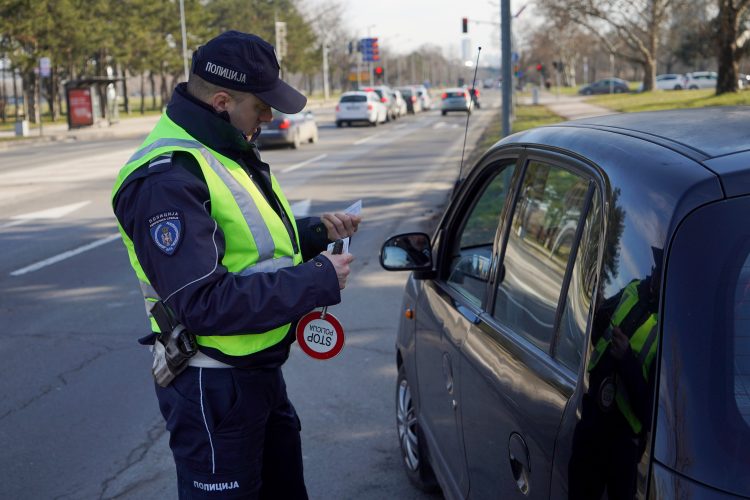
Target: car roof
[(684, 129), (356, 92), (455, 89)]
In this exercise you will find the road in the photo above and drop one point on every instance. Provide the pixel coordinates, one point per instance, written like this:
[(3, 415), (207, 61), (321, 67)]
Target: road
[(78, 416)]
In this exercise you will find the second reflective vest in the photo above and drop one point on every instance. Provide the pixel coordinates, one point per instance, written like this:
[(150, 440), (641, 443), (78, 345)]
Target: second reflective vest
[(642, 343)]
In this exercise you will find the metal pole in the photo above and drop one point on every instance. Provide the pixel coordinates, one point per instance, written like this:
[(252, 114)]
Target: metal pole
[(325, 70), (39, 97), (612, 73), (184, 39), (505, 63)]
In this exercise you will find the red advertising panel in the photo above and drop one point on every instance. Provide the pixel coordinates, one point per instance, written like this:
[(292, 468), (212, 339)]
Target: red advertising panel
[(80, 108)]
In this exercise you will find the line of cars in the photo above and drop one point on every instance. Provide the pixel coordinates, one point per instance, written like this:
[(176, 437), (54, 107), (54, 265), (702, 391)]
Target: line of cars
[(667, 81), (380, 104)]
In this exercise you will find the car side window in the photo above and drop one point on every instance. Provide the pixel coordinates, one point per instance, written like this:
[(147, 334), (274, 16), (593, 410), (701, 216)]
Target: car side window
[(471, 255), (541, 237), (571, 336)]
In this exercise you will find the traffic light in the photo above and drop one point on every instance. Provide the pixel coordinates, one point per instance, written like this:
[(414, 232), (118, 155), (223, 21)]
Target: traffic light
[(539, 67), (465, 25), (379, 72), (375, 49)]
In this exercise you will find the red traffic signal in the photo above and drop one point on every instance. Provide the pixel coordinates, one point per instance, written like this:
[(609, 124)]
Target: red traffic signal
[(465, 25), (379, 70), (539, 67)]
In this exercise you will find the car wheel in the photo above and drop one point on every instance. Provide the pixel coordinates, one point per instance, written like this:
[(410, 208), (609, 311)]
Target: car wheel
[(410, 437), (587, 92), (375, 123), (678, 87), (314, 137), (693, 87), (618, 90)]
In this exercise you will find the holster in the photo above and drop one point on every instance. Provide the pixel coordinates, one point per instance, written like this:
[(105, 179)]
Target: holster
[(173, 347)]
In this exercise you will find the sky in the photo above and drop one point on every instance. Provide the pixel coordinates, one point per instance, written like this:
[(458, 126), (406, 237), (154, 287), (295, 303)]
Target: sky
[(404, 25)]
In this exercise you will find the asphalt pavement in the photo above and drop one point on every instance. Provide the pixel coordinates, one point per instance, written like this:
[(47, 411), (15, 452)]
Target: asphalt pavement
[(569, 107)]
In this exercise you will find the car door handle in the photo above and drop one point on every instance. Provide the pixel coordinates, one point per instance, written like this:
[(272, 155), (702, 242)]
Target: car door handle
[(519, 462), (468, 314)]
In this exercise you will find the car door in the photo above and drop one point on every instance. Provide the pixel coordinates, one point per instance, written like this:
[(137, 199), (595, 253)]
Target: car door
[(516, 376), (449, 307)]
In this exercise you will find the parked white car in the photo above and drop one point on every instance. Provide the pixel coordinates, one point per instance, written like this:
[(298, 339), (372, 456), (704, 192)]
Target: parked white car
[(360, 106), (424, 96), (700, 80), (669, 81), (400, 103)]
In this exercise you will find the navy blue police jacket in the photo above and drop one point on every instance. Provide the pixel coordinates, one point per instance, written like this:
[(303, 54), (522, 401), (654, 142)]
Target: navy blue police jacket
[(202, 294)]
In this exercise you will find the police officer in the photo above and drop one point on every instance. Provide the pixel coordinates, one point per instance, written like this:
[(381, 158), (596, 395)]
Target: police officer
[(212, 238)]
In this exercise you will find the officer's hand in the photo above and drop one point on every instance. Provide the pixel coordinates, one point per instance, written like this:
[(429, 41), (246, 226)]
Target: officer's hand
[(340, 225), (620, 344), (341, 264)]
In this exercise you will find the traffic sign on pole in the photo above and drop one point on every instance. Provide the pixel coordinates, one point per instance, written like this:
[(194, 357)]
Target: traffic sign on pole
[(44, 67)]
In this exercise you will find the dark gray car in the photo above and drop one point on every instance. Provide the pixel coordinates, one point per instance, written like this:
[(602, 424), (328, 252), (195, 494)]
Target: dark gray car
[(579, 323), (605, 86)]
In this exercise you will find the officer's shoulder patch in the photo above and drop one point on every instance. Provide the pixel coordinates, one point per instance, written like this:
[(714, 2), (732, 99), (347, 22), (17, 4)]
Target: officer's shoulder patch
[(160, 163), (166, 230)]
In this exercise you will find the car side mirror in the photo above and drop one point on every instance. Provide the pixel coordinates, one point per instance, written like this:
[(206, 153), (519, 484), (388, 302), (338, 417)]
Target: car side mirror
[(407, 252)]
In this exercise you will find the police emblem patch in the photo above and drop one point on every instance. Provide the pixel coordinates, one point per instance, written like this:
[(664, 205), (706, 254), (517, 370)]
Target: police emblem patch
[(166, 231)]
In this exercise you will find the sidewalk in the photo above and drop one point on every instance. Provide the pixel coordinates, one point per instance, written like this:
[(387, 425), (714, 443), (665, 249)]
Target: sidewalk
[(569, 107), (127, 127), (134, 126)]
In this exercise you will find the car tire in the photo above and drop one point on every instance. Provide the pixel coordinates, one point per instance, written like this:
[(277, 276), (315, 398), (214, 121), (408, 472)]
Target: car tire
[(411, 440), (693, 87), (587, 92), (375, 123), (314, 137), (678, 87)]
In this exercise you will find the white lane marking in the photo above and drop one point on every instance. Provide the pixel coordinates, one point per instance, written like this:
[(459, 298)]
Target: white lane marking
[(65, 255), (301, 208), (302, 164), (50, 213), (368, 138)]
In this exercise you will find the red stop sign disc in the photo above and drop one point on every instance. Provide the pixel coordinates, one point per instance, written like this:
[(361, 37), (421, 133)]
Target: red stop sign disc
[(320, 337)]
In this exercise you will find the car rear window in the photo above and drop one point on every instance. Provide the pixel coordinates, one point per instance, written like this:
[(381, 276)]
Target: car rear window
[(354, 98), (455, 94), (704, 391)]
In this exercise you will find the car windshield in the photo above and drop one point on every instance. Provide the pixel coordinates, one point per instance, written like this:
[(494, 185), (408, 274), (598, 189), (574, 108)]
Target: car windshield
[(354, 98)]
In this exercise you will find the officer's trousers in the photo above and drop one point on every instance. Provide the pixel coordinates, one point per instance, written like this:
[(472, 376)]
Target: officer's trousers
[(234, 434)]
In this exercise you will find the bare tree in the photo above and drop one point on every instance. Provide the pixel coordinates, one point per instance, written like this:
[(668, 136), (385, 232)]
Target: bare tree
[(731, 37), (630, 28)]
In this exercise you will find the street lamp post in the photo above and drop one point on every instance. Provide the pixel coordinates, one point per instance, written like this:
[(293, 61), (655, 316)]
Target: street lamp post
[(184, 38), (325, 69), (369, 64)]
